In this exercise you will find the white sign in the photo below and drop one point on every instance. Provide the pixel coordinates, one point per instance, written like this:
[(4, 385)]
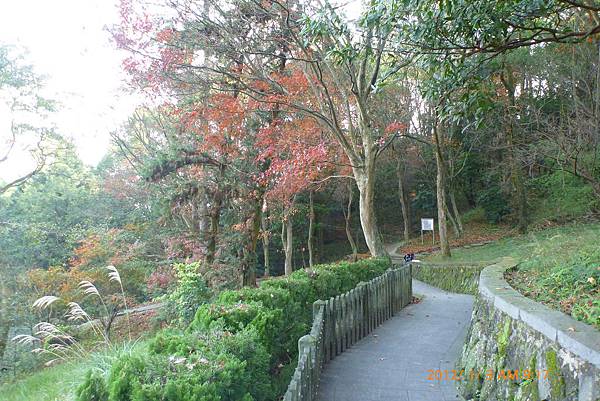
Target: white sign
[(426, 224)]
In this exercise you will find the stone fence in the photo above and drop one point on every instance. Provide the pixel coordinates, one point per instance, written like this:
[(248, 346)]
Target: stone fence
[(518, 349), (341, 321)]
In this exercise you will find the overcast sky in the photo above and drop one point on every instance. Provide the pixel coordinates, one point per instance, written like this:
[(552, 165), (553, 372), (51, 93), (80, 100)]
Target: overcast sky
[(68, 43)]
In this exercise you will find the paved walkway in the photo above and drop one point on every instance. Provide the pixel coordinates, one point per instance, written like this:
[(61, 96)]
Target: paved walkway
[(391, 364)]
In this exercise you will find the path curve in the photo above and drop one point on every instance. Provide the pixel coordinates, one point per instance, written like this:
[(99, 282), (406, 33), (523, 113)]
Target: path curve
[(391, 363)]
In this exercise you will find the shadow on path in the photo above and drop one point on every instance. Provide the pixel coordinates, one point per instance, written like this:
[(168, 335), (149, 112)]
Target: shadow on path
[(392, 363)]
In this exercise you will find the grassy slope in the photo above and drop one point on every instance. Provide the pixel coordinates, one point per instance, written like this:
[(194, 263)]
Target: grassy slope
[(53, 384), (59, 382), (559, 266)]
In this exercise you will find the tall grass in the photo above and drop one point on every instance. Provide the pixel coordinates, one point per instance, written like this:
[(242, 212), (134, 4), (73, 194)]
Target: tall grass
[(59, 382), (56, 342), (69, 358)]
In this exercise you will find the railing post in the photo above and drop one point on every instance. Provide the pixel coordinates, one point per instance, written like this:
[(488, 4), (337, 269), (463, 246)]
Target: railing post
[(409, 274), (306, 355), (355, 313), (388, 305), (327, 330), (402, 286), (360, 291), (317, 306), (336, 320), (395, 292), (379, 296)]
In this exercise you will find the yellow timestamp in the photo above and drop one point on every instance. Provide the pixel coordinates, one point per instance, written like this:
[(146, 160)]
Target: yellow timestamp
[(486, 374)]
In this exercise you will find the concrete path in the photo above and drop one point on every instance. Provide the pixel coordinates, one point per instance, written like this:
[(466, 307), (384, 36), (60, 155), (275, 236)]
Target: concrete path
[(392, 363)]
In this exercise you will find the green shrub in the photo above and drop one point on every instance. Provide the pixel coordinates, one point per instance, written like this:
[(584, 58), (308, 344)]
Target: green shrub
[(279, 328), (190, 293), (241, 347), (184, 366), (494, 202), (93, 389), (134, 273), (476, 215), (365, 270)]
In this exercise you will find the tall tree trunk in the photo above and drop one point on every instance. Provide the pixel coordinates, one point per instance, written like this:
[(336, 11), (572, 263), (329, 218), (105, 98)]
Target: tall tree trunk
[(520, 196), (403, 200), (215, 217), (365, 181), (249, 250), (347, 218), (456, 213), (311, 223), (453, 222), (265, 238), (287, 236), (441, 191)]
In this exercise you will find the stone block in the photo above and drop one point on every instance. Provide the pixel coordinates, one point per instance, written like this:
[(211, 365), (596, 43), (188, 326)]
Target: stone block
[(584, 343), (536, 319), (508, 305), (589, 387)]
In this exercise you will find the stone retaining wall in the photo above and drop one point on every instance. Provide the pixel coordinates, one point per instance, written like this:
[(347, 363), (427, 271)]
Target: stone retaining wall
[(518, 349), (462, 278)]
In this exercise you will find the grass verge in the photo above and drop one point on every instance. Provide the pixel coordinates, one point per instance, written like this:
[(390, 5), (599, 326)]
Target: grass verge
[(59, 382), (559, 267)]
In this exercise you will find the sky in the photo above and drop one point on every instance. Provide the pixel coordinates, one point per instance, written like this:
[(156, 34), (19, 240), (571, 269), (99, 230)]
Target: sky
[(67, 42)]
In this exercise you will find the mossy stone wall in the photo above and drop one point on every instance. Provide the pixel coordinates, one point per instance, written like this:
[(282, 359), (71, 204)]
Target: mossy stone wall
[(519, 350), (455, 277)]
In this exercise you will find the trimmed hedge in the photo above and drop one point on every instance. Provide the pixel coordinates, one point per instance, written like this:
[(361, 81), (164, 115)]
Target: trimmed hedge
[(241, 347)]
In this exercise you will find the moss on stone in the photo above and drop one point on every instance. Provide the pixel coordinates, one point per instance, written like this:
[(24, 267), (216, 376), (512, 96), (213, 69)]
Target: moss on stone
[(453, 278), (503, 337), (528, 389), (557, 382)]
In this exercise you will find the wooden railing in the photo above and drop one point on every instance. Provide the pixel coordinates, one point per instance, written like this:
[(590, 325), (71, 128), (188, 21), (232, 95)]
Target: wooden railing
[(341, 321)]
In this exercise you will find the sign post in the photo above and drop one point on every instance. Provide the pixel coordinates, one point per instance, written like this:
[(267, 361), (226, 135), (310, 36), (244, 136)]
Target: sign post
[(427, 225)]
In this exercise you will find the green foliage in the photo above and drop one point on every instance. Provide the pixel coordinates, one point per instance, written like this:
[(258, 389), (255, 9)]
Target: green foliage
[(240, 347), (61, 381), (46, 219), (272, 311), (570, 282), (94, 388), (562, 196), (133, 275), (494, 203), (212, 365), (476, 215), (191, 291), (57, 383)]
